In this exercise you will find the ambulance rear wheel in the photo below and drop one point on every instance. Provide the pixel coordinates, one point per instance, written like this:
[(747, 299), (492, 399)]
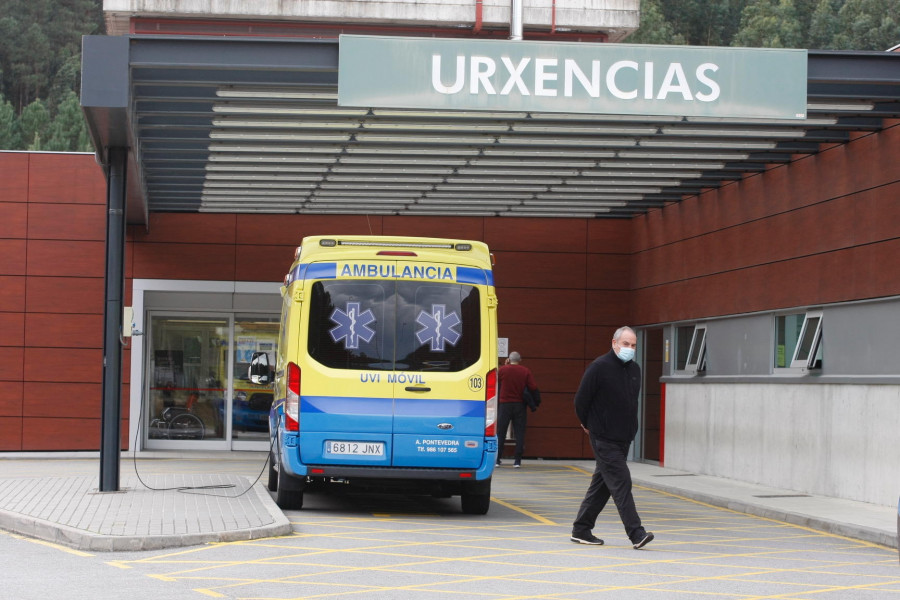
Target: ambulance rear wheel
[(289, 495), (476, 499)]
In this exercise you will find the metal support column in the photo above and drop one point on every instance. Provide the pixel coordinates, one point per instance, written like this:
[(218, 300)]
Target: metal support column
[(111, 411), (516, 13)]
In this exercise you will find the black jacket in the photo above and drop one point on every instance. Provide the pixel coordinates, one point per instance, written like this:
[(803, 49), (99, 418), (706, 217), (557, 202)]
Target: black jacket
[(607, 399)]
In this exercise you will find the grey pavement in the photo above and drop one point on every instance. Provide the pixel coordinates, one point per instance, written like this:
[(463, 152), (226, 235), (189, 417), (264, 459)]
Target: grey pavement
[(164, 500), (172, 499)]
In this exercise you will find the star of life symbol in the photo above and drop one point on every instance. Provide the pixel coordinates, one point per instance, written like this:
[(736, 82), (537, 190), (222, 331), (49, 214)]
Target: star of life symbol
[(438, 327), (352, 325)]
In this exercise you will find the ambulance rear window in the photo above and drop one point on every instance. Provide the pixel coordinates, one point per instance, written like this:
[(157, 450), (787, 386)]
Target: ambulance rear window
[(394, 325)]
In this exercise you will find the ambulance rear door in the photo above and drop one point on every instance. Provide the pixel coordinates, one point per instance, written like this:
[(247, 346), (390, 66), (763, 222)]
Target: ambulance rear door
[(347, 404), (441, 366)]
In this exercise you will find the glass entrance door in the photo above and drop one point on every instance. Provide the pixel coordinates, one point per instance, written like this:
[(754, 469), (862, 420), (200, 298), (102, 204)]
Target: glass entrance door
[(187, 377), (251, 403)]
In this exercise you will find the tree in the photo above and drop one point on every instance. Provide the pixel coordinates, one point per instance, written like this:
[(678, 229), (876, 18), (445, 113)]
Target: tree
[(770, 24), (37, 39), (34, 121), (823, 24), (868, 25), (68, 130), (655, 28), (10, 137)]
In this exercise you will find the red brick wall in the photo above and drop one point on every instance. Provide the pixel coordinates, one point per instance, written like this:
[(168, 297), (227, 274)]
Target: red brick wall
[(52, 263), (819, 230)]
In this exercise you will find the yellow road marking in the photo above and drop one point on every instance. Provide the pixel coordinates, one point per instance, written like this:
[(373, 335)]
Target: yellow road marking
[(525, 512), (48, 544), (209, 593), (737, 512)]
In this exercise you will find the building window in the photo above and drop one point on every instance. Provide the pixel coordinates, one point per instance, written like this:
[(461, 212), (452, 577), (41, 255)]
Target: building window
[(690, 348), (696, 360), (683, 335), (798, 340)]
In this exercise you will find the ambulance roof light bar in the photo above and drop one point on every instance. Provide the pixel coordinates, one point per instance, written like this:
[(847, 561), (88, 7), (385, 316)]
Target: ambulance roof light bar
[(330, 243)]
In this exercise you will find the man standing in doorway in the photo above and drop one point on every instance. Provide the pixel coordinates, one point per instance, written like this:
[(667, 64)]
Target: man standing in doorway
[(514, 379), (606, 404)]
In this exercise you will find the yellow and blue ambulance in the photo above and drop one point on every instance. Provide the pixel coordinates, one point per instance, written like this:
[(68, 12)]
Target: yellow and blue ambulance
[(385, 374)]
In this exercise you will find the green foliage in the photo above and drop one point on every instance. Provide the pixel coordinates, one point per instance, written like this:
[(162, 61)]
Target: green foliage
[(815, 24), (655, 28), (34, 121), (68, 130), (10, 137), (824, 24), (40, 61), (770, 24), (868, 25)]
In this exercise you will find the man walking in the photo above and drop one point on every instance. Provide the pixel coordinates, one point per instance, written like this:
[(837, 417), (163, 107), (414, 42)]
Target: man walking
[(514, 380), (606, 404)]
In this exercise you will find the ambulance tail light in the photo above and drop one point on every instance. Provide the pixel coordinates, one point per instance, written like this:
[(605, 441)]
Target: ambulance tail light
[(490, 398), (292, 399)]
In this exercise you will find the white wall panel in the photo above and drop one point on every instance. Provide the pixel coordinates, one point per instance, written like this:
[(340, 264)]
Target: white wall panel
[(832, 440)]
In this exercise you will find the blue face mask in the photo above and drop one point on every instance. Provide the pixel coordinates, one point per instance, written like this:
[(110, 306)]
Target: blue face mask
[(626, 354)]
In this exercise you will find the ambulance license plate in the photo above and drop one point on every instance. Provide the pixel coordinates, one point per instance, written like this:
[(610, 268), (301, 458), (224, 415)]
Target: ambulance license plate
[(354, 448)]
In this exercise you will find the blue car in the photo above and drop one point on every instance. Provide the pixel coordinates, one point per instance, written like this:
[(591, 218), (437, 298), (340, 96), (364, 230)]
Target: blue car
[(251, 412)]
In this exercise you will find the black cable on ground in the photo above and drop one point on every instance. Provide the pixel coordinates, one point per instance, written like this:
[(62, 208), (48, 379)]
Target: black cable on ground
[(189, 489)]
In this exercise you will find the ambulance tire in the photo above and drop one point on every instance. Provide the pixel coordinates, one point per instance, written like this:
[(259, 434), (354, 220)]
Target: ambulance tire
[(476, 500), (289, 495), (273, 474)]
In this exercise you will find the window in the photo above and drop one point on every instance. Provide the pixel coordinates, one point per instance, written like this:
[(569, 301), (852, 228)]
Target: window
[(388, 325), (690, 348), (683, 336), (798, 339), (807, 352), (696, 360)]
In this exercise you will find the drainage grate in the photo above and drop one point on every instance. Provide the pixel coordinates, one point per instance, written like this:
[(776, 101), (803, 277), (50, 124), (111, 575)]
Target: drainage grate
[(785, 496)]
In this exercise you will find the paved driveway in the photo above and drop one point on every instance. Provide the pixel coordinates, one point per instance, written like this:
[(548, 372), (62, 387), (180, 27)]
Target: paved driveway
[(387, 547)]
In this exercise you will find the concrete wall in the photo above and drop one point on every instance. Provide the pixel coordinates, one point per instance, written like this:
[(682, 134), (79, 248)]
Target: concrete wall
[(831, 440), (618, 17)]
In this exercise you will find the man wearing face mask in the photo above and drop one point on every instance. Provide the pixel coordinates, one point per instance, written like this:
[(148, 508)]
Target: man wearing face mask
[(606, 404)]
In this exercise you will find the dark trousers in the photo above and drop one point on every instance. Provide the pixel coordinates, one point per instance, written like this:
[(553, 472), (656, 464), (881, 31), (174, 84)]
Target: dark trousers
[(611, 478), (515, 412)]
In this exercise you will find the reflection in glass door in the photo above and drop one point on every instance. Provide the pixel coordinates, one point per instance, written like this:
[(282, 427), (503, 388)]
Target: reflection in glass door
[(187, 376), (251, 403)]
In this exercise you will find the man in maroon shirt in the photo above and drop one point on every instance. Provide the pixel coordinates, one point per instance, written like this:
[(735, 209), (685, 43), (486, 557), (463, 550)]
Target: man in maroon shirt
[(514, 380)]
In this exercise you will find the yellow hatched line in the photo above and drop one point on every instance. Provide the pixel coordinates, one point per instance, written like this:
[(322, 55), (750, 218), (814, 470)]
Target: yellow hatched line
[(48, 544), (525, 512), (737, 512)]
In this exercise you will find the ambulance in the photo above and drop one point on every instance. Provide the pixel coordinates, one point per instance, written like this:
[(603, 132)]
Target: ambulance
[(385, 373)]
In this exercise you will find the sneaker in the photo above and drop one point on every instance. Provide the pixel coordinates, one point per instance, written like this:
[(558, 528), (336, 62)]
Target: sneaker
[(586, 538), (648, 537), (499, 462), (517, 464)]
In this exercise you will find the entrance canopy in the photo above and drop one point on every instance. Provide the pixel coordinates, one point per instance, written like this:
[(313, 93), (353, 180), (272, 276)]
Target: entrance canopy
[(245, 125)]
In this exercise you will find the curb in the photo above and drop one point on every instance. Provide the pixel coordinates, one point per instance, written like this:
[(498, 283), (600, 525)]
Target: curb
[(84, 540)]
